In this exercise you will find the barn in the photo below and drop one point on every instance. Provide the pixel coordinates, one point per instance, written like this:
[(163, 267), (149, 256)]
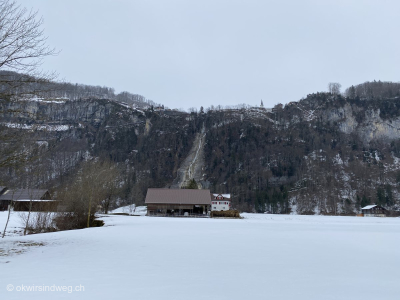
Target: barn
[(178, 202)]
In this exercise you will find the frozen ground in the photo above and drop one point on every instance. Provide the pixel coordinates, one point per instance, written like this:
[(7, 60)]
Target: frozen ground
[(259, 257)]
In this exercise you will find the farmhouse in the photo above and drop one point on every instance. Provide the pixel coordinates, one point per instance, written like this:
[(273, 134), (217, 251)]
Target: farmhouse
[(26, 199), (373, 211), (221, 202), (178, 202)]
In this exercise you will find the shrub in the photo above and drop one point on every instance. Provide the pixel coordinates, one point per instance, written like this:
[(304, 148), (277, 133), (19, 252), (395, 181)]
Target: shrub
[(38, 222), (225, 214)]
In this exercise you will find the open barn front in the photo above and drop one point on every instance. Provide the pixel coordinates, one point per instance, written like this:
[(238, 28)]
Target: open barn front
[(178, 203), (177, 210), (36, 205)]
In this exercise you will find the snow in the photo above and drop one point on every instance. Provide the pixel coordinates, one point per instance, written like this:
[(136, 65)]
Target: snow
[(337, 160), (56, 100), (38, 127), (262, 256), (226, 196), (33, 200), (131, 209), (368, 207)]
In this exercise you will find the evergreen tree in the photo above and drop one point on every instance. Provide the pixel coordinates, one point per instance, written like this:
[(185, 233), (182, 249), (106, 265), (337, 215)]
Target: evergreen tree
[(388, 195), (380, 196), (192, 185), (364, 201)]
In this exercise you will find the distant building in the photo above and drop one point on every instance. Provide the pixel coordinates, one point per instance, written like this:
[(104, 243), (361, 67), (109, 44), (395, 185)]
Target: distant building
[(26, 199), (178, 202), (221, 202), (159, 108), (373, 211)]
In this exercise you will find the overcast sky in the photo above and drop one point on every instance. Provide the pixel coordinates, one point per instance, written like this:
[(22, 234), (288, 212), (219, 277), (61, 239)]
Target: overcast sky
[(200, 53)]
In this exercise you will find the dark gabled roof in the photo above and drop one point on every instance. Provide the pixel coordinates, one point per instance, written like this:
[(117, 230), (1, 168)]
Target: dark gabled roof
[(2, 189), (178, 196), (23, 194)]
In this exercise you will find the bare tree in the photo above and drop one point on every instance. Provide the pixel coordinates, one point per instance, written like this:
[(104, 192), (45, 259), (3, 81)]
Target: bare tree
[(22, 49), (22, 42), (95, 185), (334, 88)]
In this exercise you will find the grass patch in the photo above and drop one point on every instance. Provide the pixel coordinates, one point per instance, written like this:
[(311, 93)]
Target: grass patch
[(18, 248)]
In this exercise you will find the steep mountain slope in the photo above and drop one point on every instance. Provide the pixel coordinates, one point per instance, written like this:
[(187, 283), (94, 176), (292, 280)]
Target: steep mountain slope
[(193, 166), (149, 147), (325, 154)]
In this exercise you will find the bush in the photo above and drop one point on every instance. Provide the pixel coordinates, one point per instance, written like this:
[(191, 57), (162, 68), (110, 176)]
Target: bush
[(226, 214), (38, 222), (73, 220)]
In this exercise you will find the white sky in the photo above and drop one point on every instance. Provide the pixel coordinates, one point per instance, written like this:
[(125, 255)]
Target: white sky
[(191, 53)]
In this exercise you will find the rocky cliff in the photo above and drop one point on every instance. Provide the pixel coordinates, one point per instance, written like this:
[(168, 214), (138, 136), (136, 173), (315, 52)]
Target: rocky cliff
[(325, 154)]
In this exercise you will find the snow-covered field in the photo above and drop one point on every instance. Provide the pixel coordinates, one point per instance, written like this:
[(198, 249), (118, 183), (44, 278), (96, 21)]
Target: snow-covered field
[(259, 257)]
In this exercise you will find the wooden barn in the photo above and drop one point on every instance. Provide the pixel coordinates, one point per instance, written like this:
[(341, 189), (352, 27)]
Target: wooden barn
[(178, 202), (373, 211), (27, 199)]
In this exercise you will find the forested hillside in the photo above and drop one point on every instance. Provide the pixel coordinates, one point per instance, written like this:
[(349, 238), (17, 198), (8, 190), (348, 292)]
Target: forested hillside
[(325, 154)]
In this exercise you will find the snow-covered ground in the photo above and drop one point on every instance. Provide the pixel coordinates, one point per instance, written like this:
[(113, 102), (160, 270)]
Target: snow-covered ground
[(258, 257), (131, 209)]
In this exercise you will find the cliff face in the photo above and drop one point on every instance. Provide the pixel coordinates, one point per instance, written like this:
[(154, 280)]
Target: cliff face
[(62, 111), (148, 146), (324, 154), (371, 127)]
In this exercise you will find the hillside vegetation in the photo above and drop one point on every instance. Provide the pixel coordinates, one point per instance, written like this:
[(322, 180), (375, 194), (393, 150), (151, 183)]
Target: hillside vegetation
[(325, 154)]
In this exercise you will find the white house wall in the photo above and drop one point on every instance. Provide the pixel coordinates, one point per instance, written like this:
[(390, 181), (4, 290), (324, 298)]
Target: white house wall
[(220, 205)]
